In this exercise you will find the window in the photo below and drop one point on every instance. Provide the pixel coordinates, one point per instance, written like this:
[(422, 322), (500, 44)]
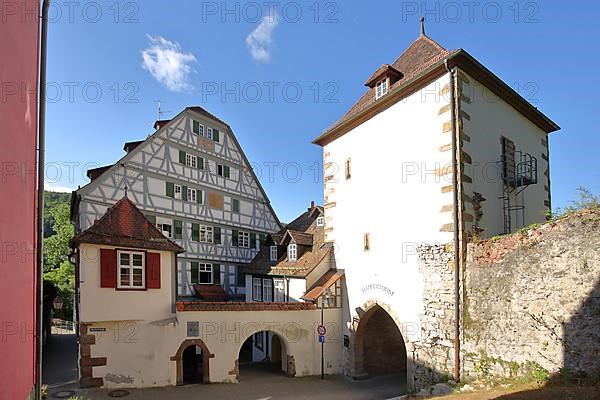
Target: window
[(292, 252), (267, 290), (206, 234), (259, 340), (279, 290), (131, 270), (178, 192), (256, 289), (209, 133), (191, 161), (202, 273), (223, 170), (198, 128), (191, 195), (243, 239), (348, 168), (320, 221), (367, 242), (235, 205), (241, 276), (166, 229), (382, 88), (273, 253)]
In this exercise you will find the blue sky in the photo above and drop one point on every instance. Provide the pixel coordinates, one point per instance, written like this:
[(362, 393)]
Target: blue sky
[(546, 50)]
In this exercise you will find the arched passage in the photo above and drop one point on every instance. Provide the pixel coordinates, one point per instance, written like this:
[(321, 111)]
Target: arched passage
[(379, 347), (263, 352), (192, 360)]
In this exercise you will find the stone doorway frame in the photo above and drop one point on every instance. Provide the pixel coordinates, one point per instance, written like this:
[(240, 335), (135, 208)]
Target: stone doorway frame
[(206, 356)]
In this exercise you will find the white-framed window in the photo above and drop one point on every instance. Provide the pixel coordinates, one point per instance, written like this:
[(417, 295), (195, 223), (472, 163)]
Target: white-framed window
[(201, 130), (243, 239), (206, 234), (166, 228), (320, 221), (191, 195), (292, 252), (381, 88), (256, 289), (205, 274), (273, 253), (197, 128), (223, 170), (209, 133), (132, 270), (267, 290), (279, 290), (177, 191), (191, 160)]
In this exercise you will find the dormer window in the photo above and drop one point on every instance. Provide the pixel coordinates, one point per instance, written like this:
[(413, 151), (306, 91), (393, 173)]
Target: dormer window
[(381, 88), (292, 252), (320, 221)]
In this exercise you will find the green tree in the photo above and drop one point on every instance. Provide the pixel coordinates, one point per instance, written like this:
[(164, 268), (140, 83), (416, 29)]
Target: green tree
[(63, 278), (56, 247), (586, 200)]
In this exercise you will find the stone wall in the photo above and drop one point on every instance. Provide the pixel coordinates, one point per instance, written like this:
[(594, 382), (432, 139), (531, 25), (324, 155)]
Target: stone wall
[(530, 303)]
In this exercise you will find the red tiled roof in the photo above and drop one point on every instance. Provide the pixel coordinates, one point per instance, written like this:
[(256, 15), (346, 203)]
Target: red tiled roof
[(207, 114), (384, 70), (242, 306), (325, 282), (125, 225), (211, 292), (96, 172), (301, 238)]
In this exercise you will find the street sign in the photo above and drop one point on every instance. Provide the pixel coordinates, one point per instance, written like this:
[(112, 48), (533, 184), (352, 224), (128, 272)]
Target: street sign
[(321, 330), (321, 338)]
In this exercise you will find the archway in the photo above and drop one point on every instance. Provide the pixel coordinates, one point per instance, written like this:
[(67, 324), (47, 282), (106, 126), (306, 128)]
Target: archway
[(379, 347), (192, 360), (263, 352)]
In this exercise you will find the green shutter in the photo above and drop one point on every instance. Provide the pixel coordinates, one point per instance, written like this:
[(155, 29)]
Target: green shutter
[(236, 205), (151, 219), (194, 272), (234, 238), (195, 232), (226, 171), (199, 194), (215, 135), (178, 229), (262, 239), (196, 127), (200, 163), (182, 156), (216, 270), (184, 193), (252, 240), (170, 189), (217, 235)]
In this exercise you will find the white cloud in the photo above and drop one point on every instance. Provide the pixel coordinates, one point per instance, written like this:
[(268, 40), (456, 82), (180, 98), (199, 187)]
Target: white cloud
[(168, 63), (259, 41), (51, 187)]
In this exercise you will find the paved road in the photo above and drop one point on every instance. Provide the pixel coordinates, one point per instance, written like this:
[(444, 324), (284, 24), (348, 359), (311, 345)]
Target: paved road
[(59, 363), (256, 384)]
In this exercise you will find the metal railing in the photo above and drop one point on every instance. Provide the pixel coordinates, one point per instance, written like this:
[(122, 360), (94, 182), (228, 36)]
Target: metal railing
[(62, 327)]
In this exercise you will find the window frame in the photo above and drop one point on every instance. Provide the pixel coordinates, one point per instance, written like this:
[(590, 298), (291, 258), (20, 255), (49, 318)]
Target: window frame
[(160, 226), (256, 295), (177, 191), (292, 249), (267, 290), (209, 133), (190, 198), (205, 230), (131, 267), (205, 268), (279, 296), (243, 239), (320, 221), (191, 160), (273, 256), (382, 88)]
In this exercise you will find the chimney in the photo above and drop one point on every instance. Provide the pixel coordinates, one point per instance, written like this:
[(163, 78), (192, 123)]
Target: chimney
[(312, 205)]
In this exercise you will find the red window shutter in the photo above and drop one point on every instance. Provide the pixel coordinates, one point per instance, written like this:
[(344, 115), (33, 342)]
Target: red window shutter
[(153, 270), (108, 268)]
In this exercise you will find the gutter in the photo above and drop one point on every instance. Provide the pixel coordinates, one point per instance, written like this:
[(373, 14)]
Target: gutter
[(457, 227), (40, 200)]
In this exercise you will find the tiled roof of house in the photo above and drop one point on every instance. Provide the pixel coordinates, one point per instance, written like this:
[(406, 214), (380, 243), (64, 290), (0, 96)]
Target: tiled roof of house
[(211, 292), (125, 225), (305, 232), (325, 282), (94, 173), (385, 69)]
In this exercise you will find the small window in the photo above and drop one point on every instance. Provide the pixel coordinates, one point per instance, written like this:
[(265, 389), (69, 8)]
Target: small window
[(367, 242), (320, 221), (166, 229), (267, 290), (273, 253), (244, 239), (191, 161), (223, 170), (209, 133), (292, 252), (348, 168), (198, 128), (279, 290), (191, 195), (206, 234), (205, 275), (256, 289), (235, 205), (177, 191), (132, 271), (382, 88)]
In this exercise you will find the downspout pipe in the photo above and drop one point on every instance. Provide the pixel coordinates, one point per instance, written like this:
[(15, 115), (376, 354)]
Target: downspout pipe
[(40, 200), (455, 207)]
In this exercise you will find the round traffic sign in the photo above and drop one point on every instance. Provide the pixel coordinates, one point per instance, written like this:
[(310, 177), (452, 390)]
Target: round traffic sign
[(321, 330)]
